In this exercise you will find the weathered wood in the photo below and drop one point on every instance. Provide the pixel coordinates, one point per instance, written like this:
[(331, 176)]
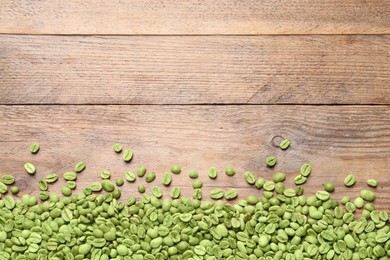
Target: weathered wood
[(335, 140), (195, 17), (195, 70)]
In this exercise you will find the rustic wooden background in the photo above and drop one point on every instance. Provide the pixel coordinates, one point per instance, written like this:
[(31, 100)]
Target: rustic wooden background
[(199, 84)]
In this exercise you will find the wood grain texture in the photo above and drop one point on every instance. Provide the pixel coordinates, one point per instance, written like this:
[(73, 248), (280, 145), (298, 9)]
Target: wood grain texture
[(335, 140), (195, 17), (195, 70)]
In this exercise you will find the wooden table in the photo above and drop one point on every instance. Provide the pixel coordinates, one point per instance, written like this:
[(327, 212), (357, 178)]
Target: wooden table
[(199, 84)]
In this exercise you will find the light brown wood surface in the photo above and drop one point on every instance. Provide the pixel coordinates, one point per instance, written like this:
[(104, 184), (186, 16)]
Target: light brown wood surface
[(336, 140), (195, 70), (195, 17)]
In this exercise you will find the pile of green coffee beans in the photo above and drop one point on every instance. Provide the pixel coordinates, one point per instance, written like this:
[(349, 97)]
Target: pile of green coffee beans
[(281, 224)]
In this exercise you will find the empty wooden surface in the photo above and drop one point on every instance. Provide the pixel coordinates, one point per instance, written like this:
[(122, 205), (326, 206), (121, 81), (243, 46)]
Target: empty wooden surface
[(195, 70), (195, 17), (335, 140)]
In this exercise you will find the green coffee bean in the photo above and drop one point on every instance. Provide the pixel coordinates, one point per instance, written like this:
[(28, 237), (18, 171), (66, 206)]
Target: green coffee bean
[(290, 193), (3, 188), (8, 179), (284, 144), (322, 195), (157, 192), (119, 182), (95, 186), (269, 186), (130, 176), (250, 178), (79, 167), (197, 194), (367, 195), (193, 174), (329, 187), (141, 188), (34, 148), (279, 177), (372, 183), (197, 184), (30, 168), (105, 174), (43, 186), (70, 176), (305, 169), (150, 177), (44, 195), (259, 183), (359, 202), (51, 178), (230, 171), (141, 171), (127, 155), (167, 178), (350, 180), (71, 185), (14, 190), (217, 194), (345, 199), (271, 161), (108, 185), (175, 169), (299, 179), (117, 148), (213, 173), (231, 194), (66, 191), (175, 193)]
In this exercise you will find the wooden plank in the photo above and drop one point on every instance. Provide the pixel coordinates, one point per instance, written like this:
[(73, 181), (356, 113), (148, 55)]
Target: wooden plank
[(335, 140), (195, 17), (195, 70)]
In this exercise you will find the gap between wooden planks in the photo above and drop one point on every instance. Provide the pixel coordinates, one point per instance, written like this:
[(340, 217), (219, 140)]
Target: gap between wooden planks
[(195, 70), (336, 140), (195, 17)]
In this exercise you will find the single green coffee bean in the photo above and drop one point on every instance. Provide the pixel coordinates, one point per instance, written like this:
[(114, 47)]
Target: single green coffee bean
[(79, 167), (350, 180), (108, 185), (231, 194), (345, 199), (96, 186), (14, 190), (141, 188), (175, 193), (230, 171), (359, 202), (70, 176), (8, 179), (71, 185), (3, 188), (34, 148), (271, 161), (290, 193), (322, 195), (329, 187), (299, 190), (44, 195), (66, 191), (269, 186), (217, 194), (175, 169), (250, 178), (128, 155), (372, 183), (259, 183), (193, 174), (105, 174), (119, 182), (299, 179), (279, 177), (141, 171), (284, 144), (213, 173), (117, 148), (51, 178), (167, 178), (150, 177), (350, 207), (43, 186), (157, 192), (197, 184), (197, 194), (30, 168), (367, 195), (130, 176), (305, 169)]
